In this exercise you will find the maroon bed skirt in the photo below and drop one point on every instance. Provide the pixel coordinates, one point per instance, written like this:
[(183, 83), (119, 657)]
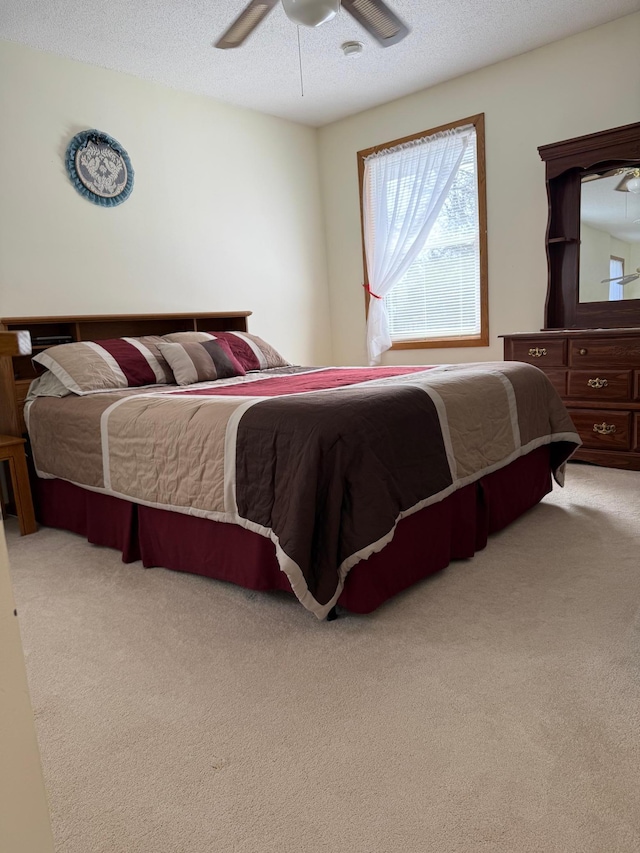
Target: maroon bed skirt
[(424, 543)]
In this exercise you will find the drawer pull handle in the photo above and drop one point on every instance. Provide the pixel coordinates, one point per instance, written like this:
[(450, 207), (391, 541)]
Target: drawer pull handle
[(604, 428), (597, 383), (535, 352), (582, 351)]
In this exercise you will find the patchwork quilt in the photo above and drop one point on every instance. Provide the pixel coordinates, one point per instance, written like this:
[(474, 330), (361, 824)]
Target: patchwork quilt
[(323, 461)]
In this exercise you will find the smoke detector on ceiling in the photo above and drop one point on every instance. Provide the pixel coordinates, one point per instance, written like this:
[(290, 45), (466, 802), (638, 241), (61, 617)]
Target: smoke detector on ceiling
[(352, 49)]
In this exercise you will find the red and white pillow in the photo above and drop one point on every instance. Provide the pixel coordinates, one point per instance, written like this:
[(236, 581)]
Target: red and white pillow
[(88, 366)]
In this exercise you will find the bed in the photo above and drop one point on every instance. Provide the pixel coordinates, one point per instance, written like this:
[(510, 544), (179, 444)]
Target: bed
[(341, 485)]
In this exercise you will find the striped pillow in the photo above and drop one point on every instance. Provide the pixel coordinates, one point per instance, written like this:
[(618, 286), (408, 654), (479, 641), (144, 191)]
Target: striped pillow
[(89, 366), (252, 352), (201, 361)]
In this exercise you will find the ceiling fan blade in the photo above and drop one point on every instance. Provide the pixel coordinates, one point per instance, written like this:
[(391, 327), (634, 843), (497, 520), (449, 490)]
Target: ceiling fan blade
[(246, 22), (597, 175), (625, 279), (378, 20)]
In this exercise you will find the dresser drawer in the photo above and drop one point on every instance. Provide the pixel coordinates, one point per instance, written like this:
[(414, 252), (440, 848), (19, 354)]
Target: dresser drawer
[(602, 429), (600, 384), (543, 352), (604, 352)]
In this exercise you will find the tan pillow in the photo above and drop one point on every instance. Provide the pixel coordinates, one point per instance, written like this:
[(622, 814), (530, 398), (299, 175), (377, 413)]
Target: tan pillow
[(201, 361)]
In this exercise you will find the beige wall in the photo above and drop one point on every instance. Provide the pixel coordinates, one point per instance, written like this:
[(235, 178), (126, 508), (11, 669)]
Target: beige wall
[(632, 290), (24, 816), (580, 85), (225, 211), (596, 248)]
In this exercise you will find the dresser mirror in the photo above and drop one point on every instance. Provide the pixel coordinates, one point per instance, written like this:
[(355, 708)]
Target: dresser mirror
[(610, 236), (593, 234)]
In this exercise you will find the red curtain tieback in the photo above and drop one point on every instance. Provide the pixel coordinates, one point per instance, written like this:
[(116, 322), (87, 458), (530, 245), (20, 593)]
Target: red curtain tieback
[(370, 292)]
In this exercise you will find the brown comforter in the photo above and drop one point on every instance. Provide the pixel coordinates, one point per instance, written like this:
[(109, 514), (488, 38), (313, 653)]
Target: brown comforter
[(325, 462)]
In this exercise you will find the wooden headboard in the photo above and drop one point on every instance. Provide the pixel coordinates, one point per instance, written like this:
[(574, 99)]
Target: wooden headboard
[(17, 372)]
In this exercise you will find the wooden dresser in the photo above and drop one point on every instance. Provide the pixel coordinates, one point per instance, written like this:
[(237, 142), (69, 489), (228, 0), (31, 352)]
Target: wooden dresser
[(597, 374)]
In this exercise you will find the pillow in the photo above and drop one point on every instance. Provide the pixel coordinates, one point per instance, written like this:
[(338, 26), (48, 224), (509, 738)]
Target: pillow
[(187, 337), (88, 366), (252, 352), (201, 361), (47, 385)]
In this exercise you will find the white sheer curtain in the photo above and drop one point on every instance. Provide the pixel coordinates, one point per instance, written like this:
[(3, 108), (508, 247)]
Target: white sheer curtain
[(404, 190)]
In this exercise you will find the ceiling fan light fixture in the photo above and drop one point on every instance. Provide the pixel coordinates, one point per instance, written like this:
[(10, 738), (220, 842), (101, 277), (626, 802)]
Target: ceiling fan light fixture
[(633, 186), (311, 13), (630, 182)]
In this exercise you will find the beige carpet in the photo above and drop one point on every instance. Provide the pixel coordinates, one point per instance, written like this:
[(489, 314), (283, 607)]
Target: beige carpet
[(495, 707)]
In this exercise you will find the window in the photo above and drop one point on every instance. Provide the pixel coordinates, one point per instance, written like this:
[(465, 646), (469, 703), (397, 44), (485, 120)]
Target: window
[(616, 271), (440, 299)]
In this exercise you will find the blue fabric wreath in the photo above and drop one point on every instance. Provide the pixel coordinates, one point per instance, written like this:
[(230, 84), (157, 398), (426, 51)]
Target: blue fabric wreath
[(81, 140)]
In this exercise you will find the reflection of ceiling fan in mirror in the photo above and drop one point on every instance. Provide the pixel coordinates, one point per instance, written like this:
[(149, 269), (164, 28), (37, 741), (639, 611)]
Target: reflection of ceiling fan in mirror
[(623, 279), (374, 15), (630, 183)]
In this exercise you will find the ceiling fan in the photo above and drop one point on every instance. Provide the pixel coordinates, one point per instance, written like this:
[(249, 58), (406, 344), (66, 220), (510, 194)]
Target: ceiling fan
[(374, 15), (630, 182), (623, 279)]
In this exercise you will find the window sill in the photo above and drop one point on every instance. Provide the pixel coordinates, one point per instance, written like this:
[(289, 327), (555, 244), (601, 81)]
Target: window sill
[(441, 343)]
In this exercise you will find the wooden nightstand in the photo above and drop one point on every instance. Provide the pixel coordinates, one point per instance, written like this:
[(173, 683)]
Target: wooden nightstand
[(12, 451)]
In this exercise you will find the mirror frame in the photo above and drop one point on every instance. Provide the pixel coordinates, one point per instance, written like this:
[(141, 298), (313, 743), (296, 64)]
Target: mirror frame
[(566, 163)]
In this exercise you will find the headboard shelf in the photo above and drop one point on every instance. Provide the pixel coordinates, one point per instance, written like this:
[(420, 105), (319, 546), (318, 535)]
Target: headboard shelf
[(17, 372)]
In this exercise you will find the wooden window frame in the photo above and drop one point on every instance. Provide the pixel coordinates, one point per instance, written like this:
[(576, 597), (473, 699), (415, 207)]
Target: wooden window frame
[(481, 340)]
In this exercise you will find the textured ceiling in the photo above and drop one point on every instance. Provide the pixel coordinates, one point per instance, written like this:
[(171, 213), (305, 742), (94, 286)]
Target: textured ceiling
[(169, 41)]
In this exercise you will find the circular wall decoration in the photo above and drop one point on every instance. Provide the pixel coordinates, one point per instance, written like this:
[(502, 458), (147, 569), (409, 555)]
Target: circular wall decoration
[(99, 168)]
